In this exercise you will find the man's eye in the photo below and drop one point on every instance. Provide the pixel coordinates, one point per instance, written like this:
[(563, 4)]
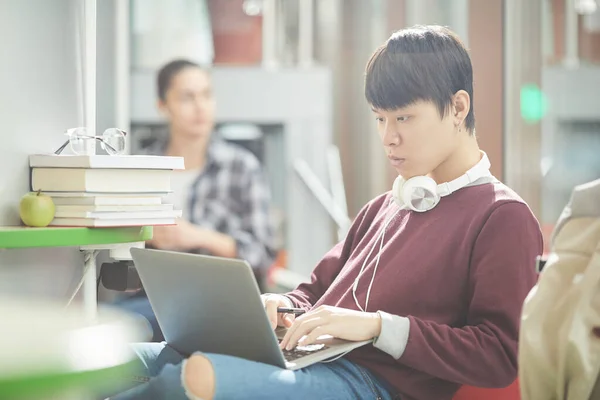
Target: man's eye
[(402, 119), (379, 119)]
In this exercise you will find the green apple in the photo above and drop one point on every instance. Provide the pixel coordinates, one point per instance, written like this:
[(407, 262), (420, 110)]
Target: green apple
[(36, 209)]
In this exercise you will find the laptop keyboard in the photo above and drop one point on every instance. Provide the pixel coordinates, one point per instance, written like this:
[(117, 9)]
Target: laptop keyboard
[(301, 351)]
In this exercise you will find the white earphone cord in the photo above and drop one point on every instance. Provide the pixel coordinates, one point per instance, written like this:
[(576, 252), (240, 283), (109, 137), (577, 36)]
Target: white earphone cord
[(362, 269)]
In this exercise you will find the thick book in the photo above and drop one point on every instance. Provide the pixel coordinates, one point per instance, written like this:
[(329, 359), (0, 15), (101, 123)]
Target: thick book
[(108, 198), (105, 223), (116, 215), (84, 199), (105, 161), (65, 209), (100, 180)]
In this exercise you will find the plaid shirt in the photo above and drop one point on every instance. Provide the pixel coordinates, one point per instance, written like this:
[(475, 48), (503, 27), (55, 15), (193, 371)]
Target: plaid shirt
[(231, 196)]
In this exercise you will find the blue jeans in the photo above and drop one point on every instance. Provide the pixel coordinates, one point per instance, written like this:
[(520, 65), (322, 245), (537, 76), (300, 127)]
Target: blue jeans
[(140, 305), (237, 378)]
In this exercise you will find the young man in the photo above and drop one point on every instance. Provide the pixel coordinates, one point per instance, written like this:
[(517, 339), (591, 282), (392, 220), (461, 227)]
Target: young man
[(434, 271)]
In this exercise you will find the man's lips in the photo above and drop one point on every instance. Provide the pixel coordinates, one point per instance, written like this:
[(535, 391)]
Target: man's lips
[(396, 161)]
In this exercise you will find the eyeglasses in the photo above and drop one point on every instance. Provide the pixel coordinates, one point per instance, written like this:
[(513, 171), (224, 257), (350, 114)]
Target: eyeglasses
[(111, 141)]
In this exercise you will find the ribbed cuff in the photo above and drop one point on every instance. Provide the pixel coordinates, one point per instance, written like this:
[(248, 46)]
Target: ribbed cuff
[(290, 301), (394, 334)]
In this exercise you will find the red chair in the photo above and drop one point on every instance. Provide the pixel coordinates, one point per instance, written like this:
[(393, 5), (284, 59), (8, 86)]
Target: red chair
[(473, 393)]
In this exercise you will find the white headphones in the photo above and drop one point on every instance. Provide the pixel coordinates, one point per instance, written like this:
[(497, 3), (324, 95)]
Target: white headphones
[(422, 193)]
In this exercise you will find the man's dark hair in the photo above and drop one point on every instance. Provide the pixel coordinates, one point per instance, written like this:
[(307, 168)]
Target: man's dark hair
[(427, 63), (167, 72)]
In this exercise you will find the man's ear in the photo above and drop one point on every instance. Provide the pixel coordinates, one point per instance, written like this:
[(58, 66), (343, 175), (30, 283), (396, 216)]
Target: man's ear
[(162, 108), (461, 105)]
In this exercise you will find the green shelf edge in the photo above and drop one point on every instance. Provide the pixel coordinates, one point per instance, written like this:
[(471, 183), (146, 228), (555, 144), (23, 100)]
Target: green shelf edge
[(110, 379), (18, 237)]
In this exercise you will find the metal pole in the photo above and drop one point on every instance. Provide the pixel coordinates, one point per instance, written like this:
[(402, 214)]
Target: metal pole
[(122, 67), (459, 19), (571, 35), (269, 32), (89, 72), (337, 178), (378, 168), (305, 32), (322, 195), (90, 299), (338, 190), (522, 66)]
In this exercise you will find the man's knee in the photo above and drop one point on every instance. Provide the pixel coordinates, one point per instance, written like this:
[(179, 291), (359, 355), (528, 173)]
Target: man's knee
[(199, 378)]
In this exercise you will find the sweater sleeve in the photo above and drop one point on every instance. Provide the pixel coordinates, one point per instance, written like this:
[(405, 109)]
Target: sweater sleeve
[(484, 351), (307, 294)]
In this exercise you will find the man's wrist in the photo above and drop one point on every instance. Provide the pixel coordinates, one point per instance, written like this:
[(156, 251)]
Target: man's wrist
[(216, 243), (288, 302), (376, 318)]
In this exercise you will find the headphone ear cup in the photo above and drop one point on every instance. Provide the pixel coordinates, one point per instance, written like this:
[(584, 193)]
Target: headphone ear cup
[(420, 193), (397, 191)]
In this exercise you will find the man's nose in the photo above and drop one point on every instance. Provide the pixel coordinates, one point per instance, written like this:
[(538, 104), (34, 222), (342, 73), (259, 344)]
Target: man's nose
[(391, 137)]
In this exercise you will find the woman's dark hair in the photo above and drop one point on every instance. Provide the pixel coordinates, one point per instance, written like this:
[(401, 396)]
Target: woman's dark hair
[(170, 70), (421, 63)]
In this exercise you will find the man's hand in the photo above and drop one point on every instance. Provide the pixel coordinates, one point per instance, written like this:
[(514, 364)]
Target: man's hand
[(337, 322), (271, 302), (180, 237), (185, 236)]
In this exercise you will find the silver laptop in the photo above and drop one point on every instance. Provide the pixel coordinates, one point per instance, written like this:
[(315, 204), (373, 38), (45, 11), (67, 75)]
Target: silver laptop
[(213, 305)]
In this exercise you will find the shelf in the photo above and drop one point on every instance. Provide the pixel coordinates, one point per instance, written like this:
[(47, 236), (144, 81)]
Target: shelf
[(49, 350), (19, 237)]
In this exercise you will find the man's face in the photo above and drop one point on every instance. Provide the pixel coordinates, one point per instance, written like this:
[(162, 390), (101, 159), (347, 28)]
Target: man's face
[(189, 103), (416, 139)]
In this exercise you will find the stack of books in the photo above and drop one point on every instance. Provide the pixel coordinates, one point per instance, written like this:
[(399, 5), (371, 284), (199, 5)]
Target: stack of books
[(106, 191)]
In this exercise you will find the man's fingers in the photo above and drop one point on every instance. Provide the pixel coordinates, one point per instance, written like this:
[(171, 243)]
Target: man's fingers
[(271, 304), (288, 320), (300, 329), (312, 336)]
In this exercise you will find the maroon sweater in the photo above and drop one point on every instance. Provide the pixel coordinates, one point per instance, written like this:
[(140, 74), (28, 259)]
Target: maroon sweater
[(459, 272)]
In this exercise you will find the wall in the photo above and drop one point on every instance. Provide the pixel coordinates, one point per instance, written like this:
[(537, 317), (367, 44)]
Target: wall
[(105, 66), (485, 45), (38, 101)]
